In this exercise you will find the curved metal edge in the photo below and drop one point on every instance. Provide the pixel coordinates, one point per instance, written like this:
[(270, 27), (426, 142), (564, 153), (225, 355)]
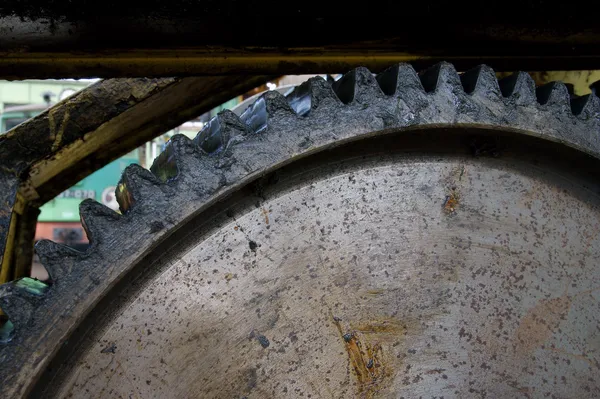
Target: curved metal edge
[(52, 151), (268, 135)]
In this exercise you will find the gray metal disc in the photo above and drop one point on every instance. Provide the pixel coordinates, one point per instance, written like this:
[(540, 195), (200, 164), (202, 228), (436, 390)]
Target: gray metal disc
[(401, 275), (398, 234)]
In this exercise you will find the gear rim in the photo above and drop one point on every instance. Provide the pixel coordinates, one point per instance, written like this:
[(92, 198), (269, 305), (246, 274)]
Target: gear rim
[(358, 102)]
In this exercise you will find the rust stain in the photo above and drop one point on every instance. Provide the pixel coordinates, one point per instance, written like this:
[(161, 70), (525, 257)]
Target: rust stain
[(542, 321), (381, 326), (451, 182), (452, 201), (266, 214), (365, 353)]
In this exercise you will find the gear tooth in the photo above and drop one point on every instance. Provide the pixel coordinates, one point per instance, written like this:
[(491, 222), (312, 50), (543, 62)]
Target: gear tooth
[(399, 79), (19, 299), (132, 184), (58, 259), (96, 220), (586, 107), (481, 80), (310, 94), (554, 93), (357, 85), (270, 105), (215, 135), (168, 164), (276, 102), (300, 99), (18, 309), (519, 86), (366, 86), (441, 74)]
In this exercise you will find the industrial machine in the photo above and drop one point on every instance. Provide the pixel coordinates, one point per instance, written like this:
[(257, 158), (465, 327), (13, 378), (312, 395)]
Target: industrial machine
[(416, 228)]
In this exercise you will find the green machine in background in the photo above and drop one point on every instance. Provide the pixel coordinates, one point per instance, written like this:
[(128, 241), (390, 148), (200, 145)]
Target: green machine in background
[(99, 186), (12, 116)]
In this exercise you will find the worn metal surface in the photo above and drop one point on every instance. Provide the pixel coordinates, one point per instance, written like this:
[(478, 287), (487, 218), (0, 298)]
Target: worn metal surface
[(51, 152), (360, 281), (190, 177), (183, 37)]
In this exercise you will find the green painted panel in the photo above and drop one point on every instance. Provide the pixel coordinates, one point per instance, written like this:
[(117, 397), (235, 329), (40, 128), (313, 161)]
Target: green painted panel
[(16, 92), (65, 207)]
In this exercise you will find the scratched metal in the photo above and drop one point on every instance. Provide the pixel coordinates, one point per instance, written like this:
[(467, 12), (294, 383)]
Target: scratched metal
[(429, 278)]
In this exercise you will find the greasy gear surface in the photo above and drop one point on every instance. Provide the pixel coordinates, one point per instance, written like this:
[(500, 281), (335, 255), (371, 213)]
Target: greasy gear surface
[(230, 152)]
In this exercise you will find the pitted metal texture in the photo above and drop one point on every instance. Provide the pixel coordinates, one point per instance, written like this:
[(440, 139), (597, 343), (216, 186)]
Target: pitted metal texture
[(364, 282), (191, 176)]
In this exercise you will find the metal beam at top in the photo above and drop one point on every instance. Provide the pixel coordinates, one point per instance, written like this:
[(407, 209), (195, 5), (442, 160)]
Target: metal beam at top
[(161, 63), (40, 39)]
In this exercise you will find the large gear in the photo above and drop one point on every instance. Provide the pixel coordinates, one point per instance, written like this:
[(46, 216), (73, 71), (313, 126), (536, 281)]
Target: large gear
[(52, 322)]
